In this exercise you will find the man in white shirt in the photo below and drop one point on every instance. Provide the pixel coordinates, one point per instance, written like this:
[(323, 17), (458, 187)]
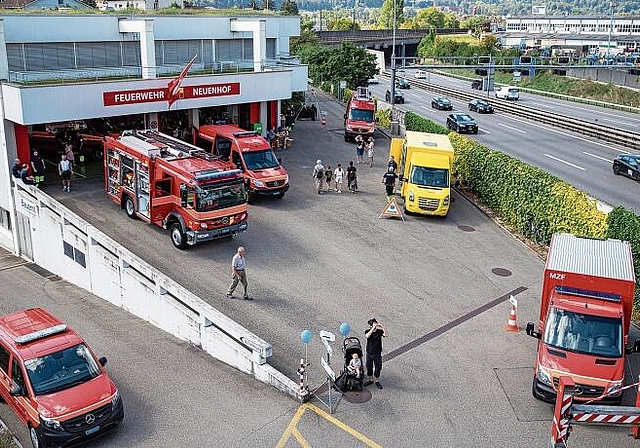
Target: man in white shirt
[(238, 273), (64, 169)]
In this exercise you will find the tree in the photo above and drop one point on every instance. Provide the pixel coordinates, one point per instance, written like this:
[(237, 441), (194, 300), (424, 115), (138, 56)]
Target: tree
[(269, 4), (451, 20), (289, 7), (343, 24), (427, 18), (307, 38), (489, 44), (253, 4), (386, 14), (477, 23)]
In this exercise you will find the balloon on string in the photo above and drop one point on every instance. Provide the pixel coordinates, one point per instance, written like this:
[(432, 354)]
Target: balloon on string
[(345, 329), (306, 336)]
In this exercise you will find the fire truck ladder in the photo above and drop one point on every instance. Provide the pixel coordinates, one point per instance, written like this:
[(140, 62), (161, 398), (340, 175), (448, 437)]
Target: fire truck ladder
[(177, 145), (363, 93), (566, 414)]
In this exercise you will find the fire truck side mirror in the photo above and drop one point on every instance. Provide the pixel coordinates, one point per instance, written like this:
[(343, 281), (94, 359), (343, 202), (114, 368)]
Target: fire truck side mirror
[(531, 332), (183, 195)]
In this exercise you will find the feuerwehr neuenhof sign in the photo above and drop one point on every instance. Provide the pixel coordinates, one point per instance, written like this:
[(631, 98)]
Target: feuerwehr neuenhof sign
[(158, 94)]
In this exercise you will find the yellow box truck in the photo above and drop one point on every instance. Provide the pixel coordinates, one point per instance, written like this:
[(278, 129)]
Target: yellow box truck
[(425, 163)]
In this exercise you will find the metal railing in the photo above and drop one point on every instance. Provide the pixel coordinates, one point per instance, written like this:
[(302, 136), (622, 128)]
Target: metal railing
[(621, 137), (367, 35), (71, 76)]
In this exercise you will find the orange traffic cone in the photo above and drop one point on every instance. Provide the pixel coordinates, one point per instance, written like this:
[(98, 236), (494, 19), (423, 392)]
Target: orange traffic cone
[(512, 325)]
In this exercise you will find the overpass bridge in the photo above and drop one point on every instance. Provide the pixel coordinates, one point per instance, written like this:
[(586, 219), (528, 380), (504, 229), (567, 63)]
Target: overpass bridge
[(406, 40)]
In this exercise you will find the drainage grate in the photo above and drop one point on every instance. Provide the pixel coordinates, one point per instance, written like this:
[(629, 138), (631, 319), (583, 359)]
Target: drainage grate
[(467, 228), (501, 272), (40, 270)]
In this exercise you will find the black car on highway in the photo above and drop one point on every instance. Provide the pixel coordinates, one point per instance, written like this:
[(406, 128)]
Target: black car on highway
[(481, 106), (476, 84), (441, 103), (462, 122), (399, 97), (402, 83), (627, 165)]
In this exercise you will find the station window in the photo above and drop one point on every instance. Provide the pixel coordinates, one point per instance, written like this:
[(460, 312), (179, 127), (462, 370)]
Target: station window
[(75, 254), (5, 219)]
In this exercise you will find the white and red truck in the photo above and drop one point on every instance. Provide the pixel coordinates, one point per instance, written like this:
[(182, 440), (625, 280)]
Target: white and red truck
[(585, 312)]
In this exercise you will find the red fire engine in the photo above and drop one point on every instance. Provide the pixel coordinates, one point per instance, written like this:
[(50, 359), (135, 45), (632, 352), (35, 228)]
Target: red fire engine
[(165, 181)]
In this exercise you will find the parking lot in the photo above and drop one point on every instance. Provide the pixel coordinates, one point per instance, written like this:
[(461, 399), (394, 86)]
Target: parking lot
[(452, 374)]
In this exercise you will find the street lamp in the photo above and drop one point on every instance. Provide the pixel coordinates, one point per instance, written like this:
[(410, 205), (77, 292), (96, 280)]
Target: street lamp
[(393, 60), (609, 43)]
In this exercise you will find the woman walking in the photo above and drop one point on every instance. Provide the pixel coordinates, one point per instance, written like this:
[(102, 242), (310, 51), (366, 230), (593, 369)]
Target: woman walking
[(359, 149), (370, 151)]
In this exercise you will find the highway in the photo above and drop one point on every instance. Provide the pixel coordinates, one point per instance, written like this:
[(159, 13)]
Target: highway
[(594, 114), (581, 161), (453, 376)]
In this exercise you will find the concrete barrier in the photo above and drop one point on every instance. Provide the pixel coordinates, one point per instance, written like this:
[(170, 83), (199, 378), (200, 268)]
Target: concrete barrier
[(60, 241)]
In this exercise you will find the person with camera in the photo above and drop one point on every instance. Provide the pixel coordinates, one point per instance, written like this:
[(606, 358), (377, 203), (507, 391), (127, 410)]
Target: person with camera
[(374, 335)]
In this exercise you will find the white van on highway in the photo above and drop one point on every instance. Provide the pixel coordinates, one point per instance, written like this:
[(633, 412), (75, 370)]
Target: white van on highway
[(508, 93)]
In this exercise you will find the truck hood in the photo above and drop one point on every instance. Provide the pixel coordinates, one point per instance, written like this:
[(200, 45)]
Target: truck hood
[(77, 398), (584, 369), (360, 123), (268, 173)]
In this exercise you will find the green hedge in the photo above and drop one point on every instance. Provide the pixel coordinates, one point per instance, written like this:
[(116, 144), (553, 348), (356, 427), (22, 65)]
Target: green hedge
[(414, 122), (383, 118), (624, 225)]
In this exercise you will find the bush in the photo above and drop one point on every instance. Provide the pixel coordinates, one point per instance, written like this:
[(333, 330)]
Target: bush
[(383, 118), (415, 122), (516, 191), (625, 225), (348, 93)]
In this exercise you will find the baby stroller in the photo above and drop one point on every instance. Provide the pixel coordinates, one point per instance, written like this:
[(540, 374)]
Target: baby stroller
[(351, 380), (353, 187)]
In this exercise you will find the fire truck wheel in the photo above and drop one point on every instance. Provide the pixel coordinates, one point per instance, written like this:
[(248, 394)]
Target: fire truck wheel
[(177, 236), (130, 208)]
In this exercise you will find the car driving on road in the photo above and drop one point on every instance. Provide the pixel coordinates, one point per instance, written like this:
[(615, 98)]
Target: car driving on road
[(374, 80), (441, 103), (402, 83), (476, 84), (462, 122), (420, 74), (508, 93), (627, 165), (53, 382), (399, 97), (481, 106)]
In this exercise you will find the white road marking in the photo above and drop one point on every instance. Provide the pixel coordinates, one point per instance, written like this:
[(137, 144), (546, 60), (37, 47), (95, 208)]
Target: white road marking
[(601, 112), (564, 132), (597, 157), (540, 104), (512, 128), (612, 121), (484, 131), (565, 162)]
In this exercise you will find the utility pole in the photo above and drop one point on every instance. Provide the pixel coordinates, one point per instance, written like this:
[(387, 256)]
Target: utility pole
[(393, 60), (609, 43)]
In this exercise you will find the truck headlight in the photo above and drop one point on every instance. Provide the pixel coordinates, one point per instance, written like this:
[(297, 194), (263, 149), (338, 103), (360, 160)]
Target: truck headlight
[(349, 128), (51, 423), (257, 183), (286, 179), (446, 200), (614, 390), (411, 197), (543, 376)]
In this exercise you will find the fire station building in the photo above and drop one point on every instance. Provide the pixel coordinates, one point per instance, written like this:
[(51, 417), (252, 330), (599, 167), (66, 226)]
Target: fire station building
[(57, 68)]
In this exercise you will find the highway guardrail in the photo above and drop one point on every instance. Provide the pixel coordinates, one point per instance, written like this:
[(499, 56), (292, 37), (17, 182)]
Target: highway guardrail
[(621, 137)]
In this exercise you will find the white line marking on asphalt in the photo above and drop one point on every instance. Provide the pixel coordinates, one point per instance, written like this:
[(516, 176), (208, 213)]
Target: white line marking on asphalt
[(595, 111), (484, 131), (613, 148), (612, 121), (512, 128), (565, 162), (540, 104), (597, 157)]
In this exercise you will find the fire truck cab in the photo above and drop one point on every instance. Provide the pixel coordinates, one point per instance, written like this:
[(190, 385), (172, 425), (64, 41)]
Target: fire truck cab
[(167, 182), (360, 116), (247, 150)]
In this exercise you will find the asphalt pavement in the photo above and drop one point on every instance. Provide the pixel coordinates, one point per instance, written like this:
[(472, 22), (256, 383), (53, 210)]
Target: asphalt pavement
[(583, 162), (452, 375)]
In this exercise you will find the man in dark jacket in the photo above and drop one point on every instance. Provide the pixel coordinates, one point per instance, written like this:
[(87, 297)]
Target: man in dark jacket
[(374, 335), (16, 168), (38, 168)]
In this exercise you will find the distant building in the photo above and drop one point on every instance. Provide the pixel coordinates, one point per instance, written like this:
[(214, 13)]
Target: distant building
[(538, 10), (114, 5), (43, 4)]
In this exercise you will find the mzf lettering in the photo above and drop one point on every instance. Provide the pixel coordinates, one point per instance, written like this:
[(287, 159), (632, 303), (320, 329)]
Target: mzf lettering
[(557, 276), (134, 96)]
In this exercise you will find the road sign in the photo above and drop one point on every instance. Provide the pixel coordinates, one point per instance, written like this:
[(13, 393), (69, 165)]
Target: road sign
[(517, 75), (513, 301), (327, 346), (343, 84), (391, 210), (327, 368), (327, 335)]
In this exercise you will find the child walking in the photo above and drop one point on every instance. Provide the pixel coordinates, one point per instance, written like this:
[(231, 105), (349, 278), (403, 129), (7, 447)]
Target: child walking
[(338, 175), (327, 177)]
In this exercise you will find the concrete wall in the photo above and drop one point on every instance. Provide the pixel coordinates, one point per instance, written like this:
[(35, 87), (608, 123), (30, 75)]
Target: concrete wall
[(66, 245), (617, 76)]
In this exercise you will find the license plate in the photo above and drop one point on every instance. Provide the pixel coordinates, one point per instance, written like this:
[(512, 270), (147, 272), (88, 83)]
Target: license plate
[(225, 230), (92, 430)]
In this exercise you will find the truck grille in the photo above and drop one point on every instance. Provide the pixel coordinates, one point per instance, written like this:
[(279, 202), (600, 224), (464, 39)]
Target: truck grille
[(275, 183), (88, 420), (428, 204), (587, 390)]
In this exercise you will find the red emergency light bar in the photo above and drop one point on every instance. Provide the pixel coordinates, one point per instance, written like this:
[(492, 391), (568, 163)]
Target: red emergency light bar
[(609, 297)]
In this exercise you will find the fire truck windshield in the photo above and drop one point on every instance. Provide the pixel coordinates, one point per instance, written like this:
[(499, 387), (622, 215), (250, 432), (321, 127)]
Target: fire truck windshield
[(213, 197), (584, 333), (361, 115), (260, 160)]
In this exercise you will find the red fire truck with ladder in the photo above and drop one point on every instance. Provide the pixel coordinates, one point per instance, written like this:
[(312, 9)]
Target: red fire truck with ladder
[(165, 181)]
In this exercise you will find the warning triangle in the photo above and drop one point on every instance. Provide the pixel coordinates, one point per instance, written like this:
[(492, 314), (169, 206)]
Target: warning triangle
[(391, 210)]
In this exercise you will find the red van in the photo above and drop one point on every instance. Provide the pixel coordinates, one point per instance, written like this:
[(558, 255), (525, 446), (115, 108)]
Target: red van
[(250, 152), (53, 381)]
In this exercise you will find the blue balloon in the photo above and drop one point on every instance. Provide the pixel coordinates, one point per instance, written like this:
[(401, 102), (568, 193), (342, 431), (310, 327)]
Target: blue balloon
[(345, 329), (306, 336)]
